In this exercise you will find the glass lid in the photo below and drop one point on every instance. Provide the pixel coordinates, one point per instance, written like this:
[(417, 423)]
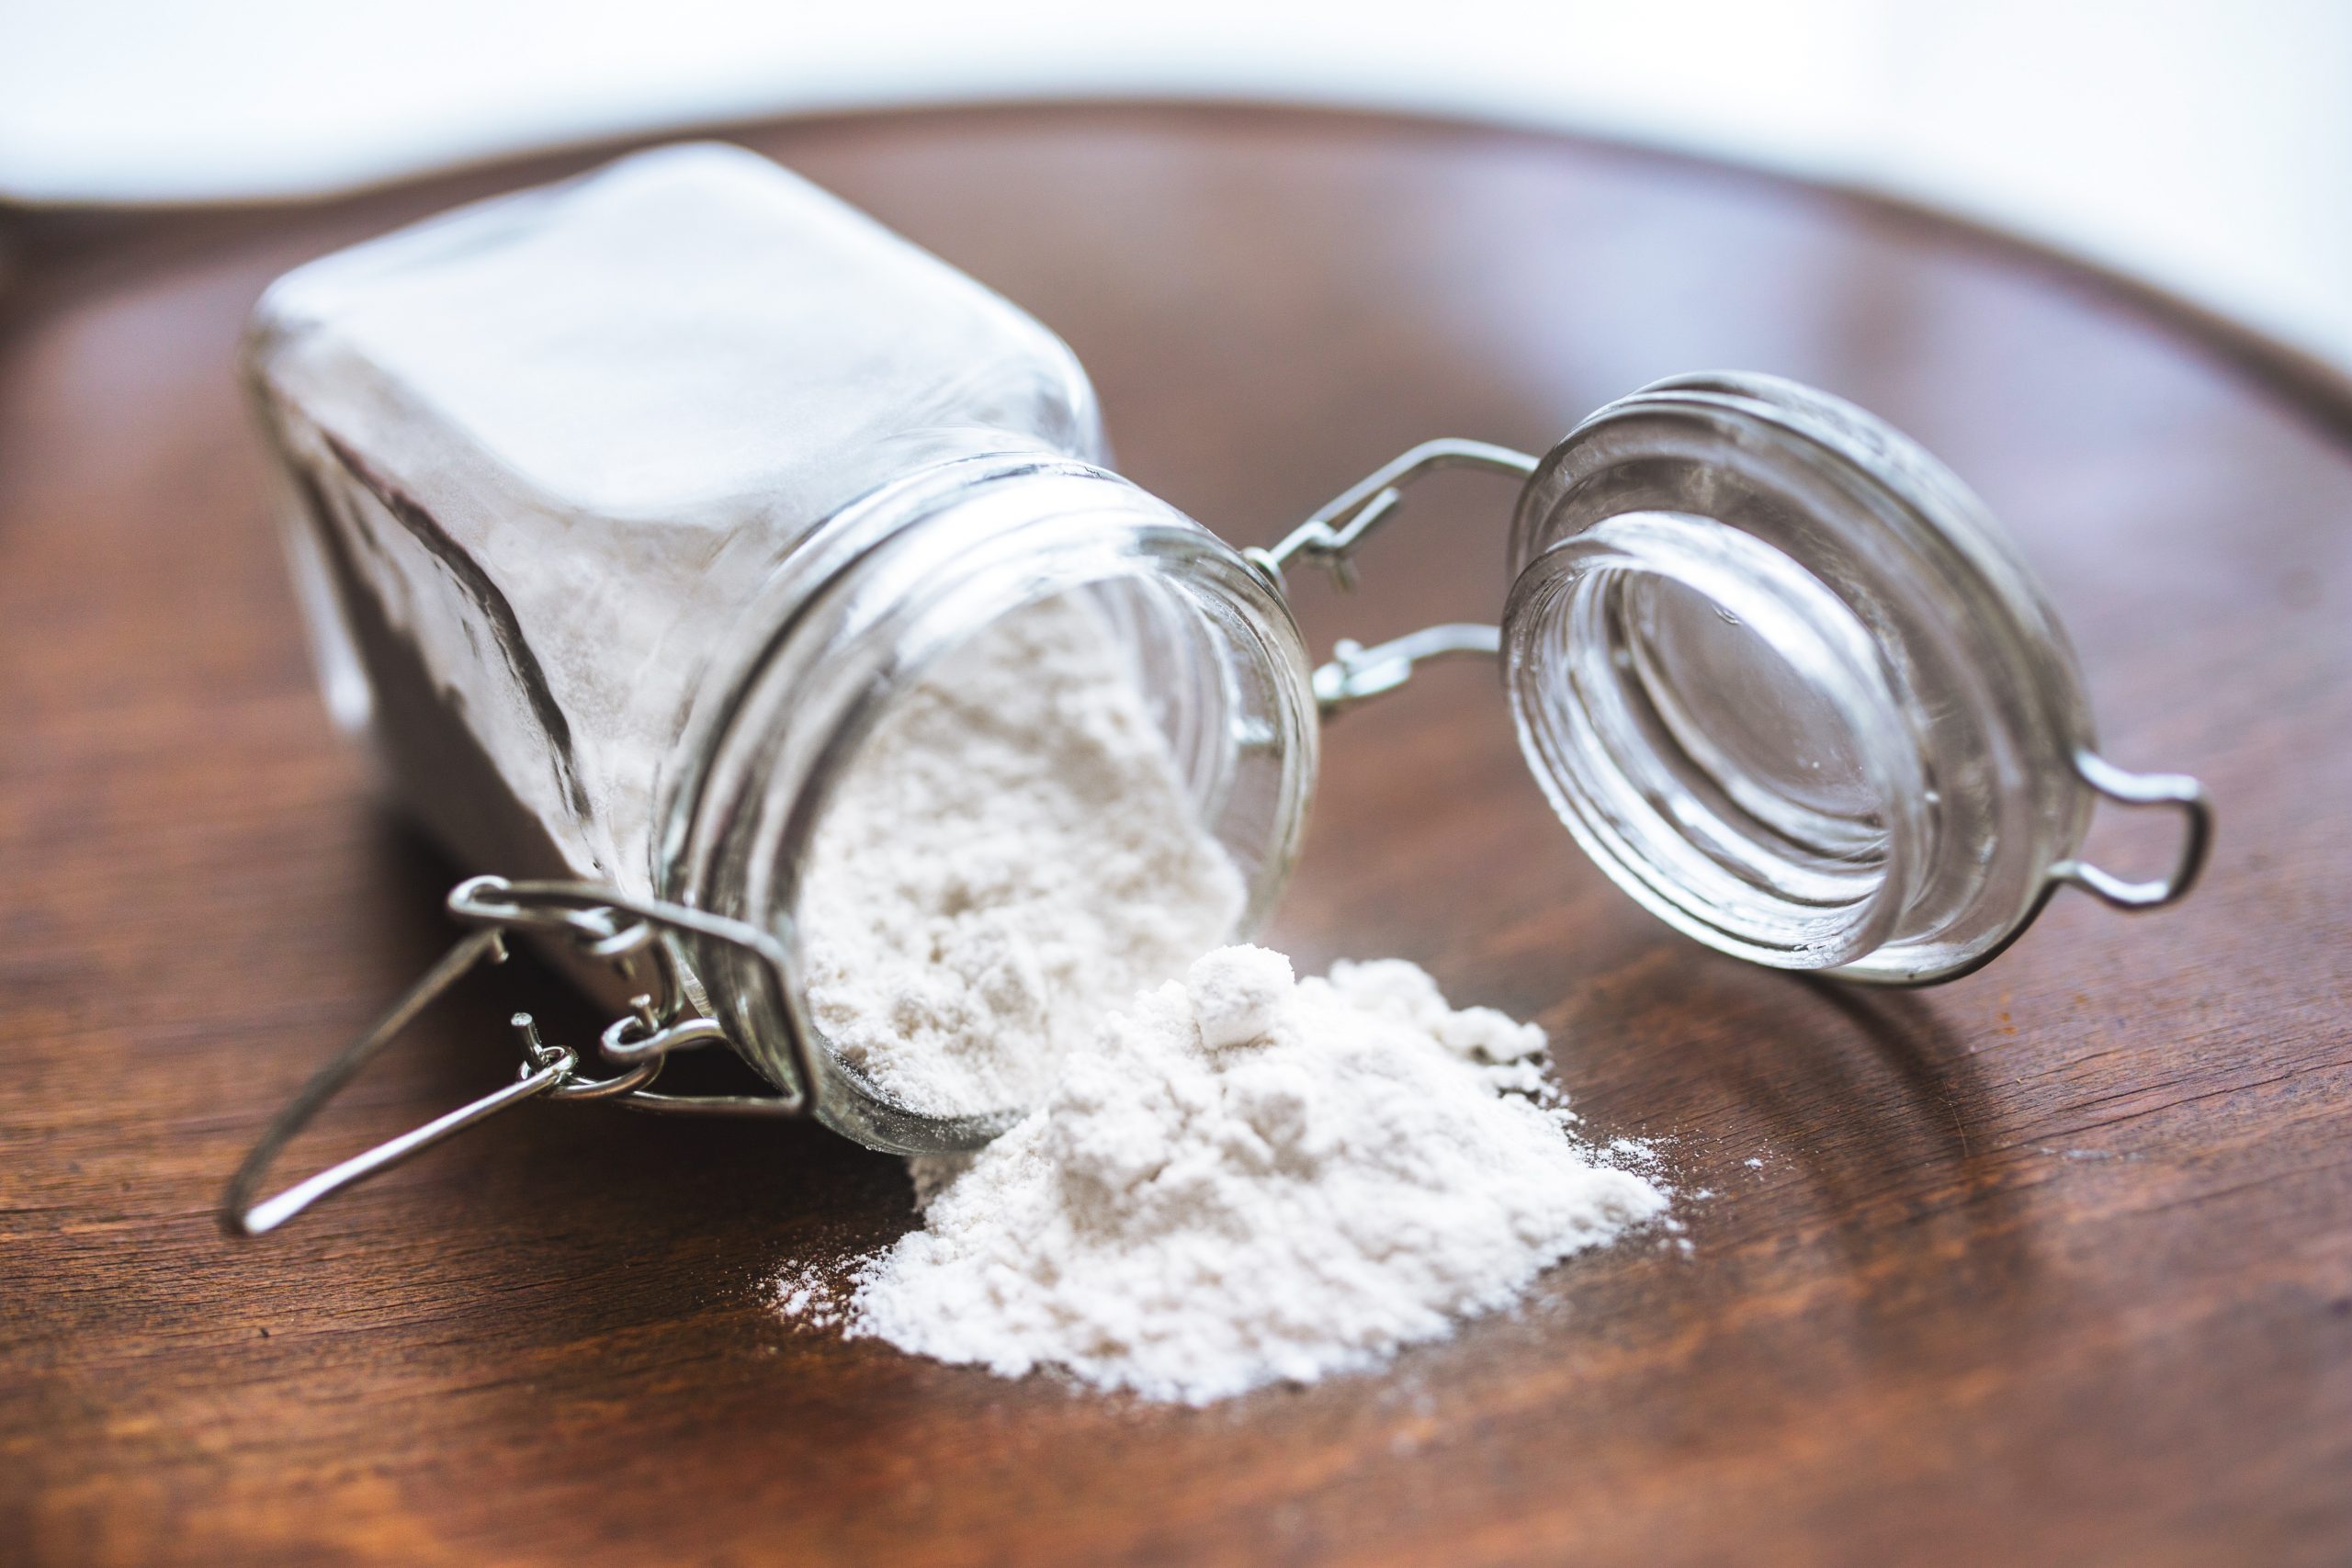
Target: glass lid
[(1784, 678)]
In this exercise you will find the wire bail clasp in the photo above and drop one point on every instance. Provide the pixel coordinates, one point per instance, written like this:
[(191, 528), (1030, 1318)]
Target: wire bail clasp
[(2178, 791), (1331, 538), (607, 924)]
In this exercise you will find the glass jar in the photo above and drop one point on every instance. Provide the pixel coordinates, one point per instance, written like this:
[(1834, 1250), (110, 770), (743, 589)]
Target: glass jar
[(622, 510)]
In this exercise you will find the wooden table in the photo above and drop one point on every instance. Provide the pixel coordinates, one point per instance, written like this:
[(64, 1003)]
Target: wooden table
[(2053, 1264)]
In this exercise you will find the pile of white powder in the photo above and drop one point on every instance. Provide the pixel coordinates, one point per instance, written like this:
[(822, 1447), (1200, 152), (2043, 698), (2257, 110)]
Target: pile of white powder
[(1244, 1179), (1224, 1179)]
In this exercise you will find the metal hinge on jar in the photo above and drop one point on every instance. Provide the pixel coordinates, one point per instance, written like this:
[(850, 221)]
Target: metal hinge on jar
[(608, 926), (1330, 540)]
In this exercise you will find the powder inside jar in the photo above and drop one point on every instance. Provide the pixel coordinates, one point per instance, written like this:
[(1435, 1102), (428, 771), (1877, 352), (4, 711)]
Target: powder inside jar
[(1009, 855)]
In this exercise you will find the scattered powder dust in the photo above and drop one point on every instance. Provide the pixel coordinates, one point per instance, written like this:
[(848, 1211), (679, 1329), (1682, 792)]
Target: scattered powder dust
[(1010, 855), (1222, 1181), (1242, 1179)]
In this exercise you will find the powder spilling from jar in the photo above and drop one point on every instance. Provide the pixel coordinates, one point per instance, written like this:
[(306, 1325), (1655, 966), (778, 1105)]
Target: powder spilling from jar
[(1244, 1179), (1229, 1177), (1009, 855)]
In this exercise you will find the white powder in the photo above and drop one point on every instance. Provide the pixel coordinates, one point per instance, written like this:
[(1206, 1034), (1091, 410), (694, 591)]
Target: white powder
[(1241, 1181), (1234, 1178), (1010, 856)]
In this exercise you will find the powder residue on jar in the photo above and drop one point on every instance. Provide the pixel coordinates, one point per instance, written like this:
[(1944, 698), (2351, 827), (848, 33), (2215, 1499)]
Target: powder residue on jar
[(1009, 855)]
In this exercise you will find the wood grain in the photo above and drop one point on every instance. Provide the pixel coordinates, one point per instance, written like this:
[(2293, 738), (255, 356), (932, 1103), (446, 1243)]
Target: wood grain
[(2052, 1265)]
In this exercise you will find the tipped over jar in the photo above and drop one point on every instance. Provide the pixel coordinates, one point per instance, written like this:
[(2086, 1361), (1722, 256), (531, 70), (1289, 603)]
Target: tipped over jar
[(625, 513)]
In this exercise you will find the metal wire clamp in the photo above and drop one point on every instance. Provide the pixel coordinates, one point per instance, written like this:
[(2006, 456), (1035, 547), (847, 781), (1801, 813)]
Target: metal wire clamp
[(607, 924), (1331, 538)]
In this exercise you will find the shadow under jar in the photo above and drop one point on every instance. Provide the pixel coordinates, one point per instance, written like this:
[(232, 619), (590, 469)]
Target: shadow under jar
[(623, 509)]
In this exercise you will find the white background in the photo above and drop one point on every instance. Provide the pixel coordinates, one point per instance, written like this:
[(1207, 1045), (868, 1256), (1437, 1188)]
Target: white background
[(2206, 145)]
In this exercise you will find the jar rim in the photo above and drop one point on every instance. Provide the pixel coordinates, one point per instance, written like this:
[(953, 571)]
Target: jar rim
[(908, 575)]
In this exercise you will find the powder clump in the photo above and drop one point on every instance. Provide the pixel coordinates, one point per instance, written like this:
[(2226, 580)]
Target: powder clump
[(1241, 1178)]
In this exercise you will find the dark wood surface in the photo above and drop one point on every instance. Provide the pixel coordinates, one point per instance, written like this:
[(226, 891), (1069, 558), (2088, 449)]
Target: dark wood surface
[(2052, 1264)]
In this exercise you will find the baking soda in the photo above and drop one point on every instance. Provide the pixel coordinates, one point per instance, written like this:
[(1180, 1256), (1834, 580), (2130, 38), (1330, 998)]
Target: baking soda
[(1243, 1179), (1226, 1176)]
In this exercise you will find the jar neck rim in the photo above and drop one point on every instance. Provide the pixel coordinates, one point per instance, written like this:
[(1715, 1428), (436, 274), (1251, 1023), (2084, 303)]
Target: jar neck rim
[(879, 594)]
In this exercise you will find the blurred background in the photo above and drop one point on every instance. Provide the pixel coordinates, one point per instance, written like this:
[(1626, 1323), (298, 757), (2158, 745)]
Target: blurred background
[(2202, 144)]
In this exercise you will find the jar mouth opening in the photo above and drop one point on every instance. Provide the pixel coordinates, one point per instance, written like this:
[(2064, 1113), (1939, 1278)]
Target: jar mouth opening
[(1217, 657), (1711, 724)]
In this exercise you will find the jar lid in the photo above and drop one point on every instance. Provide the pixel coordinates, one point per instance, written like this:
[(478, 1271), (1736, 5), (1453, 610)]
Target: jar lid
[(1784, 679)]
